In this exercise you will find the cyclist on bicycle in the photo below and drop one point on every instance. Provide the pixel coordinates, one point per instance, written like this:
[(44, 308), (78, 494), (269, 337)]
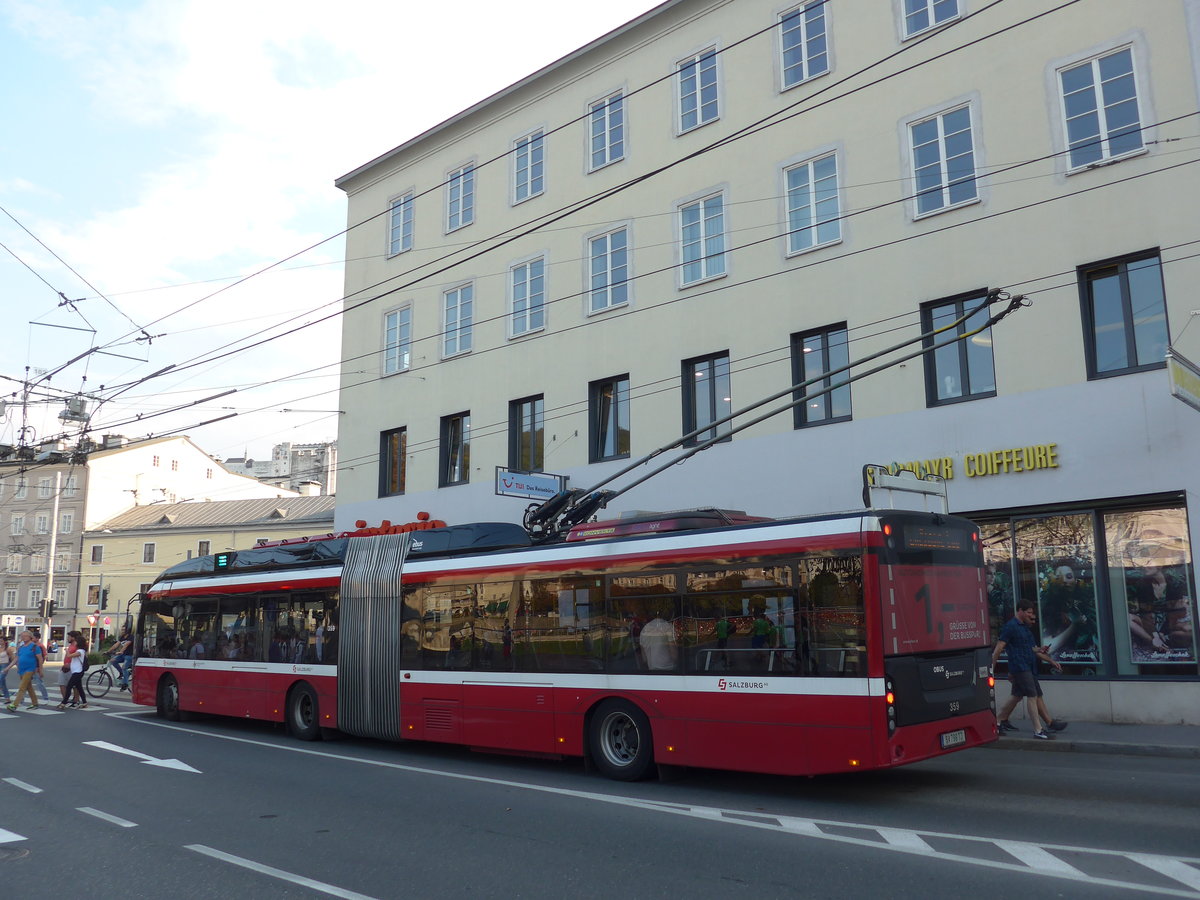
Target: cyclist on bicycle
[(121, 652)]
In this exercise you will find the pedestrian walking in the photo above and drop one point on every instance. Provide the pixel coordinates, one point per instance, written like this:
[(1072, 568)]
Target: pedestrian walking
[(38, 678), (1017, 638), (29, 663), (73, 663), (7, 658)]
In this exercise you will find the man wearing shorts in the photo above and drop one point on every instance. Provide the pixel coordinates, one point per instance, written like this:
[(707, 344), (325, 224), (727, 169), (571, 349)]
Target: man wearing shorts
[(1017, 638)]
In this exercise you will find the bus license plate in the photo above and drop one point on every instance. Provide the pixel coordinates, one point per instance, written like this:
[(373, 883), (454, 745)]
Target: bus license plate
[(954, 738)]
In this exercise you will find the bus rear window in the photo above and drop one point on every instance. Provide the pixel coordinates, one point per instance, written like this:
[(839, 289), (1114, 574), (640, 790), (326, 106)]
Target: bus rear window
[(934, 540)]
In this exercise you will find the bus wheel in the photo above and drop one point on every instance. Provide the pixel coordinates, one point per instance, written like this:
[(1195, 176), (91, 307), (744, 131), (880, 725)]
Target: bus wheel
[(302, 717), (167, 702), (619, 741)]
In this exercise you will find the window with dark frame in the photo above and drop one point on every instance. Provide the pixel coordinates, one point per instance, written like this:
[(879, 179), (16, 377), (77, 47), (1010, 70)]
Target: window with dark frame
[(455, 463), (963, 369), (393, 456), (608, 419), (1124, 315), (526, 434), (148, 553), (813, 354), (706, 395)]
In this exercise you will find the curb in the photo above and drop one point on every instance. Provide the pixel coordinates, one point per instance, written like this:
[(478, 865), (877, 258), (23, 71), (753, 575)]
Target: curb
[(1119, 748)]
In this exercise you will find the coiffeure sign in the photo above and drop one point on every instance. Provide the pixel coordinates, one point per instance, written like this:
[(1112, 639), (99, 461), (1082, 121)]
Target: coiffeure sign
[(1010, 460)]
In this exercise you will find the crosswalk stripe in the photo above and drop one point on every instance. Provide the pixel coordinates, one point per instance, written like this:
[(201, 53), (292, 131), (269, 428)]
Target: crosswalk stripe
[(1172, 868), (1036, 858), (7, 837), (909, 840)]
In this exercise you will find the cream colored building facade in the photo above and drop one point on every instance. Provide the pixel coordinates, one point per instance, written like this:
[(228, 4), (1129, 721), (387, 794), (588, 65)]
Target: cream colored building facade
[(722, 199)]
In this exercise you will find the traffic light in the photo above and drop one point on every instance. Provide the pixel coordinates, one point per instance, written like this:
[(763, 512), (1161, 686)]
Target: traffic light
[(48, 610), (104, 598)]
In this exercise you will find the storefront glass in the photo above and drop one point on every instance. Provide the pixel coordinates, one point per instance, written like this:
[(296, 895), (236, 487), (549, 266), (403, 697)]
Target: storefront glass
[(1113, 590)]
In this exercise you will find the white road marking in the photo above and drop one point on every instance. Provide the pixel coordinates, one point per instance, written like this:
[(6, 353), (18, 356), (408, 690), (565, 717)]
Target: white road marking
[(16, 782), (916, 843), (908, 840), (1172, 868), (107, 817), (1036, 858), (253, 866), (145, 758)]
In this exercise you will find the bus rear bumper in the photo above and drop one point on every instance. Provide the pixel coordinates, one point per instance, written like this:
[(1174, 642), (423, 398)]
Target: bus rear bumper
[(912, 743)]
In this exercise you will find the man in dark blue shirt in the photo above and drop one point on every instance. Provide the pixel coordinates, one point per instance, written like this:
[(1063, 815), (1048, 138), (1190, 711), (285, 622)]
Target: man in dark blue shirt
[(1017, 638)]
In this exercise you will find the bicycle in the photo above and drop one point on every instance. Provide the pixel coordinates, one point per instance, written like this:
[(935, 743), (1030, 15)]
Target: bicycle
[(100, 681)]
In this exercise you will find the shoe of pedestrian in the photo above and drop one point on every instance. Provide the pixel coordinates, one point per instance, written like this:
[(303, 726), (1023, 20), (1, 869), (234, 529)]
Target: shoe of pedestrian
[(1058, 725), (1043, 736), (1006, 725), (34, 706), (61, 706), (11, 707), (83, 706)]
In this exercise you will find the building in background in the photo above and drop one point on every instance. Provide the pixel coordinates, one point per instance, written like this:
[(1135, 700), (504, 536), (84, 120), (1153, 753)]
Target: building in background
[(123, 556), (47, 503), (306, 468), (719, 201)]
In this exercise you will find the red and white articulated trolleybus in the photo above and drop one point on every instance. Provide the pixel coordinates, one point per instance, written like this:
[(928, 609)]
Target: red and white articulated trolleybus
[(699, 638)]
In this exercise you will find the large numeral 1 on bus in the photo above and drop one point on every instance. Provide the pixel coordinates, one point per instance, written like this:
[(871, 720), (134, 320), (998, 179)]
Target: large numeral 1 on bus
[(923, 597)]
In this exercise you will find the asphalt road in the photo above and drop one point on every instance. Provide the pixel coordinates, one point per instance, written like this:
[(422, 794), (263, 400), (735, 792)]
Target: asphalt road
[(115, 800)]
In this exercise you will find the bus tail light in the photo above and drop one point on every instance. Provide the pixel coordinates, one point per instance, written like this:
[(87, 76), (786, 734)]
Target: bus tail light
[(890, 697)]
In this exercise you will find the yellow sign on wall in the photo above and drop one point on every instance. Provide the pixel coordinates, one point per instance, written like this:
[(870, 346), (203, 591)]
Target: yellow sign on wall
[(990, 462)]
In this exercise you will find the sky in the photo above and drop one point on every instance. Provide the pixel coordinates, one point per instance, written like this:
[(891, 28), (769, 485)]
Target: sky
[(155, 156)]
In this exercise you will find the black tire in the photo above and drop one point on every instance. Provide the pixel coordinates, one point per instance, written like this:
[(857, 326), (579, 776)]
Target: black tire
[(303, 713), (98, 683), (167, 699), (619, 741)]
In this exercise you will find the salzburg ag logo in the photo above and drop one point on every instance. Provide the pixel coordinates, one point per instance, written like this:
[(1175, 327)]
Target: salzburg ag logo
[(721, 684)]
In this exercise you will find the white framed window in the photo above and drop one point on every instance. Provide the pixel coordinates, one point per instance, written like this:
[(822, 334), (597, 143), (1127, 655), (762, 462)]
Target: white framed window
[(457, 319), (943, 160), (813, 206), (62, 561), (460, 197), (97, 553), (10, 598), (38, 562), (174, 465), (42, 523), (922, 15), (18, 524), (154, 461), (22, 490), (606, 131), (397, 340), (698, 100), (1100, 108), (66, 522), (803, 43), (45, 488), (148, 553), (608, 270), (35, 598), (702, 239), (72, 486), (529, 166), (208, 474), (13, 564), (60, 598), (527, 292), (400, 224)]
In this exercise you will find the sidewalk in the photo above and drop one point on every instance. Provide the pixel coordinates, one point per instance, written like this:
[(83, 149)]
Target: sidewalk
[(1177, 741)]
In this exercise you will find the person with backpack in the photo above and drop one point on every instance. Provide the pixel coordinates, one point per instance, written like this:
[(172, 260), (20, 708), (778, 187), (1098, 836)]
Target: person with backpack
[(74, 661)]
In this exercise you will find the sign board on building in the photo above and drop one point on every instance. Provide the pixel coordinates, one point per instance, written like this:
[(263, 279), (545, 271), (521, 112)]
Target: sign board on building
[(1185, 379), (532, 485), (13, 621)]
